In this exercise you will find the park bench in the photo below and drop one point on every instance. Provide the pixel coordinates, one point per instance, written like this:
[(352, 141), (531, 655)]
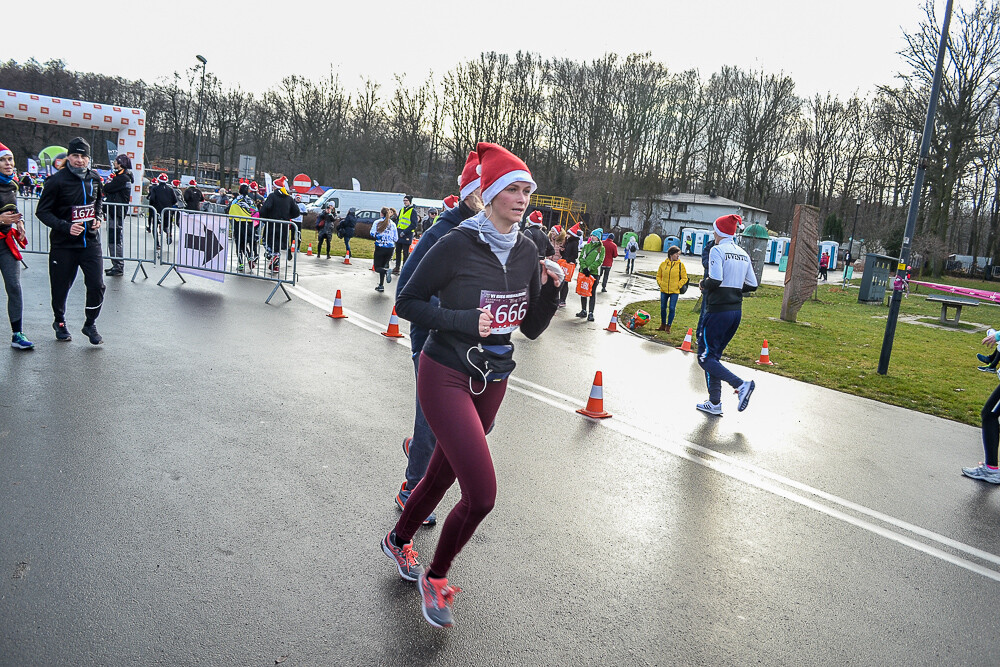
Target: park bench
[(952, 302)]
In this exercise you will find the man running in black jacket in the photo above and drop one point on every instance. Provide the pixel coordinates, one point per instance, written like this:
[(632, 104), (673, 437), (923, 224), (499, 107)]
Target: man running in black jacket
[(72, 206)]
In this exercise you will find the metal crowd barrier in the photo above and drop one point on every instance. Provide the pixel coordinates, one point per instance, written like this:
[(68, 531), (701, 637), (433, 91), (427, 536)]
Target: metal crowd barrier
[(127, 234), (215, 244)]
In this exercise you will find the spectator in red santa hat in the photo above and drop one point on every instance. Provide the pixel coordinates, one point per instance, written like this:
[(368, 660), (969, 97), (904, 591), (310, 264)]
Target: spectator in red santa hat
[(570, 253), (193, 196), (12, 240), (533, 230)]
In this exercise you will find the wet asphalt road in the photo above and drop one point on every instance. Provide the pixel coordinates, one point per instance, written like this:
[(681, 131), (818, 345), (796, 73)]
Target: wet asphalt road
[(209, 487)]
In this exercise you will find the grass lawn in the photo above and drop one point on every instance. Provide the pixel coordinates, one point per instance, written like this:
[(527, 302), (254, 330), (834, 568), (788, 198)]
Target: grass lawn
[(836, 343), (363, 248)]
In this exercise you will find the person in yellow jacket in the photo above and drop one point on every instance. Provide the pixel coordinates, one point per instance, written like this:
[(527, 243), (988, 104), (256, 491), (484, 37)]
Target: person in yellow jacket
[(671, 277)]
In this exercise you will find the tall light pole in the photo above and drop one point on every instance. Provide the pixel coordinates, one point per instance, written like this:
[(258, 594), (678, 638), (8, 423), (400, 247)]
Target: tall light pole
[(850, 244), (911, 217), (201, 104)]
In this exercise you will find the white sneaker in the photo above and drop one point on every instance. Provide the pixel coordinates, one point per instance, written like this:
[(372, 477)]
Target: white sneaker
[(744, 393), (710, 408)]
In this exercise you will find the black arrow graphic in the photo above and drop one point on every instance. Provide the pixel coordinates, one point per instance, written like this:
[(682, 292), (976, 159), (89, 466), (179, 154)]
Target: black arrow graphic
[(208, 244)]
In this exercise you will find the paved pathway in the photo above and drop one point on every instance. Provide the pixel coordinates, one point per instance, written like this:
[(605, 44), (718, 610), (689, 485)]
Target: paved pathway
[(210, 486)]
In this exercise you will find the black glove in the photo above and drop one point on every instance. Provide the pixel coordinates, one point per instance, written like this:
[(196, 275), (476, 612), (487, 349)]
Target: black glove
[(585, 272)]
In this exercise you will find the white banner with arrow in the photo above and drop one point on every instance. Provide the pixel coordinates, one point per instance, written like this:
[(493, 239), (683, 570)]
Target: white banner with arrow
[(203, 246)]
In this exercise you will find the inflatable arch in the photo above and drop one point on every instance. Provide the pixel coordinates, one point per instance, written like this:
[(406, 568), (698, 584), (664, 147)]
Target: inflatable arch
[(130, 124)]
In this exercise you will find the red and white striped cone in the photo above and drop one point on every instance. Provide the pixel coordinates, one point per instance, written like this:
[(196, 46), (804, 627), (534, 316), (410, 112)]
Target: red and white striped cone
[(765, 357), (686, 345), (595, 404), (338, 309), (613, 324), (347, 258), (393, 330)]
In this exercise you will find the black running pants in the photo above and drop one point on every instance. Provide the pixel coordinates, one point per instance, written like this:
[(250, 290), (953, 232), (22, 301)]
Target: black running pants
[(63, 263)]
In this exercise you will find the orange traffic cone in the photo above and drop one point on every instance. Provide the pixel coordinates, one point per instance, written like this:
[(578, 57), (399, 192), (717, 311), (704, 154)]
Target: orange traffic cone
[(309, 250), (686, 345), (293, 245), (393, 330), (347, 258), (613, 324), (338, 309), (765, 358), (595, 404)]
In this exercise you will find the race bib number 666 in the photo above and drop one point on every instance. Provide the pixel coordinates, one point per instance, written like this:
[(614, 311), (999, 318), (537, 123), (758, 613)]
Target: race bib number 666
[(506, 308)]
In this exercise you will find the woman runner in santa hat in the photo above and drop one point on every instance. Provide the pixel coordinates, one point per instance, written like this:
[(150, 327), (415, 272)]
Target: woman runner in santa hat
[(488, 279)]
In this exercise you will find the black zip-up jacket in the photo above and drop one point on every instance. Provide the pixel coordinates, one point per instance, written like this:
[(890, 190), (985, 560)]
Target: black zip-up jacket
[(119, 189), (193, 197), (540, 239), (455, 270), (346, 226), (64, 190), (162, 196), (279, 206), (571, 250)]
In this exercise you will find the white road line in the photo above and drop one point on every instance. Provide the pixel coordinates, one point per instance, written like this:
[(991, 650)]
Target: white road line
[(748, 473)]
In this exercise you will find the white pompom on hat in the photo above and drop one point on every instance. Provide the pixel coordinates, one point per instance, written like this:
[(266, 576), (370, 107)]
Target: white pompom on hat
[(499, 168), (469, 181)]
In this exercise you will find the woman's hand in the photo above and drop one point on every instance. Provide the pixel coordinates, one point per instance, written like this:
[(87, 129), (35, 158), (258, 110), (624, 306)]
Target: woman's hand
[(485, 321), (10, 218), (546, 273), (990, 341)]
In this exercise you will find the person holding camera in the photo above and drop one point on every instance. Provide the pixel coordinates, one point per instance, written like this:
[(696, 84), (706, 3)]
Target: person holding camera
[(118, 191), (12, 240), (325, 222)]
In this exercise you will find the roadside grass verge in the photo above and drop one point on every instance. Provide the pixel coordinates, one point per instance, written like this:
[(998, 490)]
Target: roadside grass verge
[(836, 343), (361, 248)]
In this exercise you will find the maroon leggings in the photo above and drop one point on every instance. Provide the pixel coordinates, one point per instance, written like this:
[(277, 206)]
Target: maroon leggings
[(459, 420)]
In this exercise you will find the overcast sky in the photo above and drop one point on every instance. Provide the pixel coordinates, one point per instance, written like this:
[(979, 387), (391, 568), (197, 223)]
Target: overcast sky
[(842, 47)]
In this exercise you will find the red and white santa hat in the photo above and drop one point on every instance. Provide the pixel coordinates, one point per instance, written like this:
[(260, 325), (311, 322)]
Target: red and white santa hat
[(726, 225), (4, 151), (469, 181), (451, 201), (253, 186), (535, 218), (575, 231), (557, 229), (192, 182), (281, 183), (499, 168), (162, 178), (176, 183)]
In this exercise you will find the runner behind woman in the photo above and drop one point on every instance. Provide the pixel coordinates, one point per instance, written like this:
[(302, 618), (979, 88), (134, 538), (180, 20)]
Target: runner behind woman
[(488, 279), (419, 448), (12, 239), (384, 233)]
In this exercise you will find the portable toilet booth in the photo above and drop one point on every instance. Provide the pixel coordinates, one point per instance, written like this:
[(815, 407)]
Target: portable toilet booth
[(771, 252), (831, 248), (693, 240)]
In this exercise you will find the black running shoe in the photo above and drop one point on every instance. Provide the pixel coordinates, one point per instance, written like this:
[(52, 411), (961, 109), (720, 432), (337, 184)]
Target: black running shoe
[(90, 331), (62, 333)]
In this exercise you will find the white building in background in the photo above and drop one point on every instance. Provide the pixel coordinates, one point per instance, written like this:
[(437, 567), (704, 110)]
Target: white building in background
[(669, 213)]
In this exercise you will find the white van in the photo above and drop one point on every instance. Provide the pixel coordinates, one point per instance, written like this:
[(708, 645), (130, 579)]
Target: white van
[(343, 200)]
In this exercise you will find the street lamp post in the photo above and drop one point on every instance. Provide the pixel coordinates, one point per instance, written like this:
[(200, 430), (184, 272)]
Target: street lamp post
[(201, 104), (850, 244)]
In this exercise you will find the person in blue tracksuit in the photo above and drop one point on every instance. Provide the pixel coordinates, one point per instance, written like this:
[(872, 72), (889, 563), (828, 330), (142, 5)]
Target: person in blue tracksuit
[(730, 275), (420, 445)]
